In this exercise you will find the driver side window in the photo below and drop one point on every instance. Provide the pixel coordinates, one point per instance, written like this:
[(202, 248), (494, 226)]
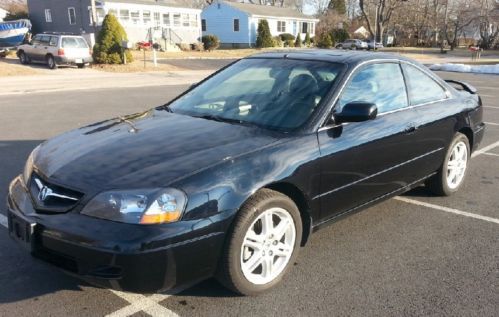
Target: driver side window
[(381, 84)]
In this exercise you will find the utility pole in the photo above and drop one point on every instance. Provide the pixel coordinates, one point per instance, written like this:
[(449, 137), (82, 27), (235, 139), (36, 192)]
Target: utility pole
[(444, 35), (94, 15), (376, 28)]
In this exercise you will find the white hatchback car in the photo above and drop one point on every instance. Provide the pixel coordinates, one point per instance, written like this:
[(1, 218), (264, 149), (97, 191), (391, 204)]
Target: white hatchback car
[(56, 49)]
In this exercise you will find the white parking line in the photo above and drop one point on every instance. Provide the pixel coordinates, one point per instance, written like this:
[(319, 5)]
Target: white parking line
[(491, 123), (447, 209), (485, 149), (149, 305), (3, 221), (492, 107), (492, 154)]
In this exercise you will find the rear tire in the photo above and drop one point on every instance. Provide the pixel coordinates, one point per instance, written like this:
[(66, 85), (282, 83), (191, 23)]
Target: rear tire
[(81, 66), (262, 244), (51, 62), (451, 175)]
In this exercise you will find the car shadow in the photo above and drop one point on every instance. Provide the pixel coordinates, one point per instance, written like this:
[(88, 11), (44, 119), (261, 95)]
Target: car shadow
[(15, 61), (420, 191)]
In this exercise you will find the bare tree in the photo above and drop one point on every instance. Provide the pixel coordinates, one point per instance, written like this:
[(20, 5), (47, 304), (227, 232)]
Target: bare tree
[(377, 14), (488, 22)]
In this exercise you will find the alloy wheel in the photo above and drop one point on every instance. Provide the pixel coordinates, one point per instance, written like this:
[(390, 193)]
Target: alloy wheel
[(267, 246), (456, 165)]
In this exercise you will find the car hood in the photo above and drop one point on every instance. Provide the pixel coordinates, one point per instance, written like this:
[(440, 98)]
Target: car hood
[(145, 150)]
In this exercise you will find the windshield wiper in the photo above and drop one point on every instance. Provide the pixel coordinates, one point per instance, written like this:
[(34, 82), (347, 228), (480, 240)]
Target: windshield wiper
[(221, 119), (165, 108)]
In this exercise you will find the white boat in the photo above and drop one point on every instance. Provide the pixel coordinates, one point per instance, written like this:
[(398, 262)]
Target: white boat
[(12, 33)]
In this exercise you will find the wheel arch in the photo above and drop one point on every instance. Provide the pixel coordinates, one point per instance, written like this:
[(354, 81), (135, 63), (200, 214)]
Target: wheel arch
[(301, 201), (469, 134)]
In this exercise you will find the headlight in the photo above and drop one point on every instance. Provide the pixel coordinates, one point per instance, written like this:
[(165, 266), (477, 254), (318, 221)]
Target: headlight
[(138, 206), (28, 167)]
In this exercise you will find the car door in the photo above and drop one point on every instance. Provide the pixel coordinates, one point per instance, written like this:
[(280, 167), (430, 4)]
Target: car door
[(30, 50), (362, 161), (436, 118), (43, 47)]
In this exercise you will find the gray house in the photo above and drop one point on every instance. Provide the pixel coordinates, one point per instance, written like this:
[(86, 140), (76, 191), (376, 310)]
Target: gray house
[(142, 19)]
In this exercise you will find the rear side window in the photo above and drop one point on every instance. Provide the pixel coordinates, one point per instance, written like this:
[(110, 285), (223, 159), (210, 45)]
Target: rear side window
[(73, 42), (381, 84), (53, 40), (45, 40), (422, 88)]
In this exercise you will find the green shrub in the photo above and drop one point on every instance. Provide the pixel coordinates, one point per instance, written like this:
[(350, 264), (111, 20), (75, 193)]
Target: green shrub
[(210, 42), (339, 35), (264, 38), (325, 40), (286, 37), (290, 43), (308, 41), (108, 49), (298, 40), (278, 41)]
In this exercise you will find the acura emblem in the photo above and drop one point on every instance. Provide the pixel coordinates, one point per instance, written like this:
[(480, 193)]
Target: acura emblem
[(44, 193)]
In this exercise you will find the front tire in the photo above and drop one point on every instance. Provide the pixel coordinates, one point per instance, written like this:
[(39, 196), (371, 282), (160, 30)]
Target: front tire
[(450, 177), (262, 244), (23, 58), (80, 66)]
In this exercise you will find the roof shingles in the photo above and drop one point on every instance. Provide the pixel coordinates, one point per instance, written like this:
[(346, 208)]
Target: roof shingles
[(269, 11)]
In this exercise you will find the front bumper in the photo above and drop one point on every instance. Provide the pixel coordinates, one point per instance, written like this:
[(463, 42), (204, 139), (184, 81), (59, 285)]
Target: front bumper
[(126, 257)]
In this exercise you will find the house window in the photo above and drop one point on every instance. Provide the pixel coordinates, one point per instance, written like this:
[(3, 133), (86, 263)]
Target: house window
[(281, 26), (157, 18), (304, 27), (166, 19), (312, 28), (203, 25), (48, 15), (193, 18), (113, 12), (176, 19), (146, 16), (236, 25), (185, 20), (72, 16), (100, 15), (124, 15), (135, 15)]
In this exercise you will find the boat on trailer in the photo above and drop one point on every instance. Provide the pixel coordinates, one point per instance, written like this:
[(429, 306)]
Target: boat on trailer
[(13, 33)]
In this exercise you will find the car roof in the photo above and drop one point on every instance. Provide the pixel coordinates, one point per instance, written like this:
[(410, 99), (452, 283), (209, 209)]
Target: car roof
[(333, 55)]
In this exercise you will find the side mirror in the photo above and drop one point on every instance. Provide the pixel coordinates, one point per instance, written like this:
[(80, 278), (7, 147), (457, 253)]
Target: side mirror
[(356, 111)]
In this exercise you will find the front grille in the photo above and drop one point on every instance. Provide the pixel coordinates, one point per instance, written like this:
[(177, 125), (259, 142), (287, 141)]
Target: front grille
[(52, 198)]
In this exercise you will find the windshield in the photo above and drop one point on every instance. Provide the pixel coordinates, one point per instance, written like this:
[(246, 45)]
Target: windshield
[(74, 42), (273, 93)]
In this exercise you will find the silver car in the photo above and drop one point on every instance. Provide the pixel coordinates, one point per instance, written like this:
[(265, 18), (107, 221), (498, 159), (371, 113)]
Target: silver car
[(55, 50), (352, 44)]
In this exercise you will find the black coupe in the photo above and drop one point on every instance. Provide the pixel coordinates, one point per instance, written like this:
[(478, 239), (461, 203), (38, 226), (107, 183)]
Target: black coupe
[(230, 178)]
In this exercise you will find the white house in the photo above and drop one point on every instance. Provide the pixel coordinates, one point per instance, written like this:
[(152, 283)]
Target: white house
[(164, 19), (3, 13), (235, 24)]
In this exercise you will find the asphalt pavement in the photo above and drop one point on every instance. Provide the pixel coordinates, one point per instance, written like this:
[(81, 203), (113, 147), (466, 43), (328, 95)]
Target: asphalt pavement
[(412, 255)]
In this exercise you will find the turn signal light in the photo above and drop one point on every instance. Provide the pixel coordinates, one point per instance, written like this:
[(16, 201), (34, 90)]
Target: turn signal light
[(160, 218)]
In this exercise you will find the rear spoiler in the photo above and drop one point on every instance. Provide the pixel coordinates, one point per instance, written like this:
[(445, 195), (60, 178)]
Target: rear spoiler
[(464, 86)]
